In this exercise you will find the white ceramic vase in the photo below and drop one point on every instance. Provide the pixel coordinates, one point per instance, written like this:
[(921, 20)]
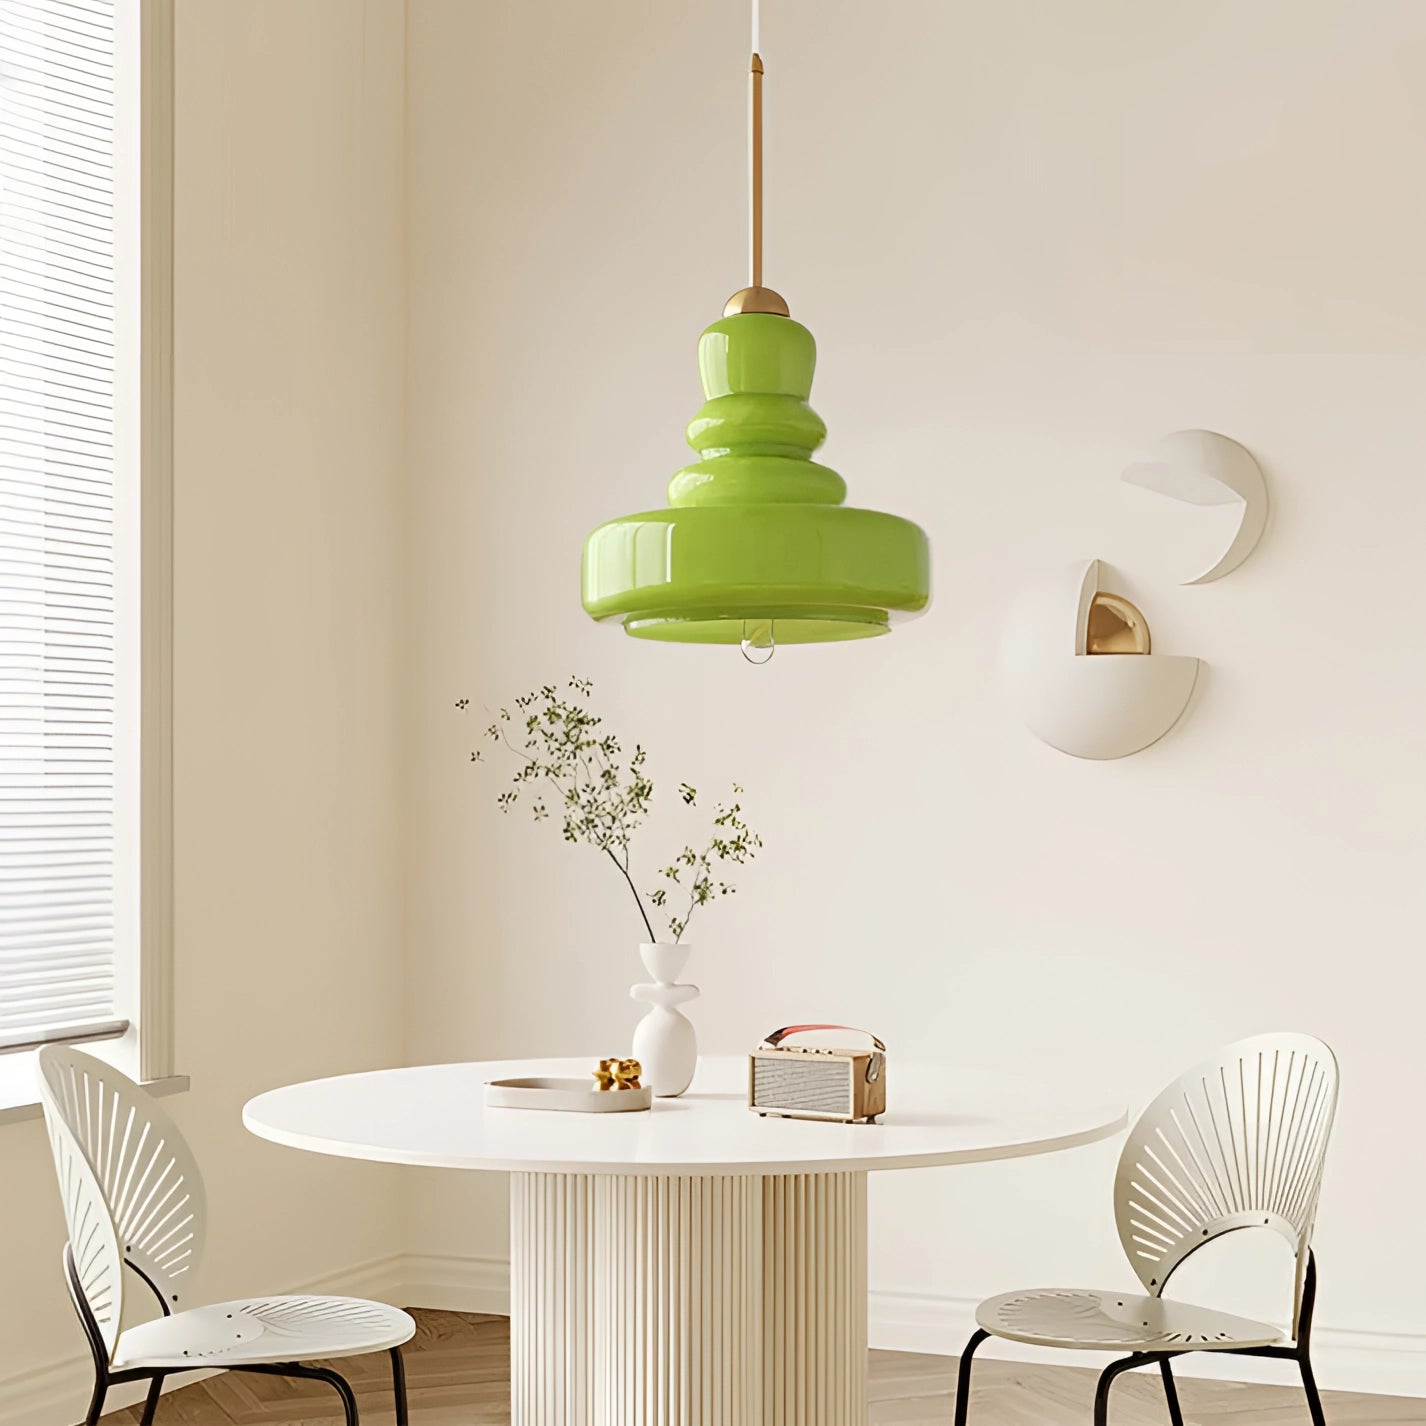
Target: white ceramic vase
[(664, 1040)]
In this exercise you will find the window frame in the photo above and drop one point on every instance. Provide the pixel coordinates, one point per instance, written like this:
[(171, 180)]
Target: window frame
[(144, 847), (154, 951)]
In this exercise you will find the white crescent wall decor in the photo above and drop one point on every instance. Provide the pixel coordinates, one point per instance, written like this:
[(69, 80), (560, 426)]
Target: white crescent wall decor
[(1204, 468), (1086, 703)]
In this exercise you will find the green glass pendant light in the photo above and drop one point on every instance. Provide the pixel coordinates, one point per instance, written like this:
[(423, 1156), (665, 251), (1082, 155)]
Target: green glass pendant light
[(756, 547)]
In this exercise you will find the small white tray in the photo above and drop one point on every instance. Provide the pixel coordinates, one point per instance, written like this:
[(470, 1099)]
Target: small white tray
[(575, 1096)]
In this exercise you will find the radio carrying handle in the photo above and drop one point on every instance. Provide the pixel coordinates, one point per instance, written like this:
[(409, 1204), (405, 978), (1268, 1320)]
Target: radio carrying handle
[(873, 1069)]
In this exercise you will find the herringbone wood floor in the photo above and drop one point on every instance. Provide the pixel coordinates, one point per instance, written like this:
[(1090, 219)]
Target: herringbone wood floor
[(459, 1375)]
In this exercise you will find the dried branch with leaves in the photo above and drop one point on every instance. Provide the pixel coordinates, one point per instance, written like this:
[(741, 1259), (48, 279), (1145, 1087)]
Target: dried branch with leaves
[(568, 764)]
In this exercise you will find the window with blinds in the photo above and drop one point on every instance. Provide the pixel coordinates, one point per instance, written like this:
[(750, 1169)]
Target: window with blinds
[(57, 546)]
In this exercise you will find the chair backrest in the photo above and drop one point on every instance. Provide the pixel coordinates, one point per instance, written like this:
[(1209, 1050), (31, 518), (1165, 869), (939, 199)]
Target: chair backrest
[(131, 1189), (1238, 1142)]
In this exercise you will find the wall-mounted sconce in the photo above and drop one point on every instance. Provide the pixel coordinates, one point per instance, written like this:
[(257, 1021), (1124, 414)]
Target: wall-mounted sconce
[(1079, 665), (1204, 468)]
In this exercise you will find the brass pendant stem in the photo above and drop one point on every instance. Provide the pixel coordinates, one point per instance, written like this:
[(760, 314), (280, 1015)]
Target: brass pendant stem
[(755, 172), (755, 297)]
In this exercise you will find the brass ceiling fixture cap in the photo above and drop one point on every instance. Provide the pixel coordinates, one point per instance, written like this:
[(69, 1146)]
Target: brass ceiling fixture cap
[(756, 299)]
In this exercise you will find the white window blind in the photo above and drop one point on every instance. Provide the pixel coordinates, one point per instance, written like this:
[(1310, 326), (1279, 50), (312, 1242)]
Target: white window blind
[(57, 384)]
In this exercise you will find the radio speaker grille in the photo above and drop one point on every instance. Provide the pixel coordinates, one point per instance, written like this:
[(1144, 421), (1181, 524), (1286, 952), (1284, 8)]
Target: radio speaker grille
[(803, 1084)]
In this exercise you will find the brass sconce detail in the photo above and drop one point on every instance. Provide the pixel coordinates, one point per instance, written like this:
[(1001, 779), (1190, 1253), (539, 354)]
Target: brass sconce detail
[(1115, 627)]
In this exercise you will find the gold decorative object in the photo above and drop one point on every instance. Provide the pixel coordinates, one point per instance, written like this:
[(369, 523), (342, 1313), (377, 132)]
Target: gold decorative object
[(618, 1074)]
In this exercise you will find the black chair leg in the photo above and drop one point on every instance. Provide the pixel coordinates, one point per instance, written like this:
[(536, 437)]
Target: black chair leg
[(398, 1381), (151, 1400), (963, 1377), (1106, 1380), (300, 1372), (96, 1402), (333, 1379), (344, 1390), (1171, 1392), (1309, 1385)]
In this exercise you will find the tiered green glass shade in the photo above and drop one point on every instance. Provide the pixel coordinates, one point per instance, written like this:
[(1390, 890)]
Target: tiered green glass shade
[(755, 543)]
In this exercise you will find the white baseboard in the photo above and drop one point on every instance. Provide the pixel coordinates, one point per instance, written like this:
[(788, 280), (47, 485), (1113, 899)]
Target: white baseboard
[(1393, 1364), (458, 1284)]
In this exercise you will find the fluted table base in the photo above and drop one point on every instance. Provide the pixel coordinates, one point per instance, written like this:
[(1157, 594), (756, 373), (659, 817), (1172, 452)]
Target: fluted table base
[(725, 1300)]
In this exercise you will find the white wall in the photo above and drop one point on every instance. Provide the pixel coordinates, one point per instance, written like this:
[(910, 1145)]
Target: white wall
[(289, 354), (1029, 236)]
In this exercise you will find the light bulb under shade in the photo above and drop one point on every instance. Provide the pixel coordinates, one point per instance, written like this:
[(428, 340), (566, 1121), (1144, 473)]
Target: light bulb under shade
[(755, 531)]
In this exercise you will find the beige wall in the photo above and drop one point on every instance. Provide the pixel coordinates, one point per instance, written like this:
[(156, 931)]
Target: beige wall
[(289, 350), (1029, 237)]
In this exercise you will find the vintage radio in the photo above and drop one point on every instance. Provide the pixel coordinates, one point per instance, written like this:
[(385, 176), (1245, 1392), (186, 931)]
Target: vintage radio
[(806, 1082)]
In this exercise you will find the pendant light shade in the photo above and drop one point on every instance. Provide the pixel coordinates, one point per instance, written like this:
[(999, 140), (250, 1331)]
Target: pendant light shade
[(756, 545)]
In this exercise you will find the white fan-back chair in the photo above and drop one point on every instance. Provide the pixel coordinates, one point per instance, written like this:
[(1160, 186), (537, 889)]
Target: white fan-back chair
[(133, 1198), (1239, 1142)]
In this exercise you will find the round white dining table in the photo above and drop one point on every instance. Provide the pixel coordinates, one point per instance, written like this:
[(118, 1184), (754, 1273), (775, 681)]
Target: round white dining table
[(695, 1264)]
